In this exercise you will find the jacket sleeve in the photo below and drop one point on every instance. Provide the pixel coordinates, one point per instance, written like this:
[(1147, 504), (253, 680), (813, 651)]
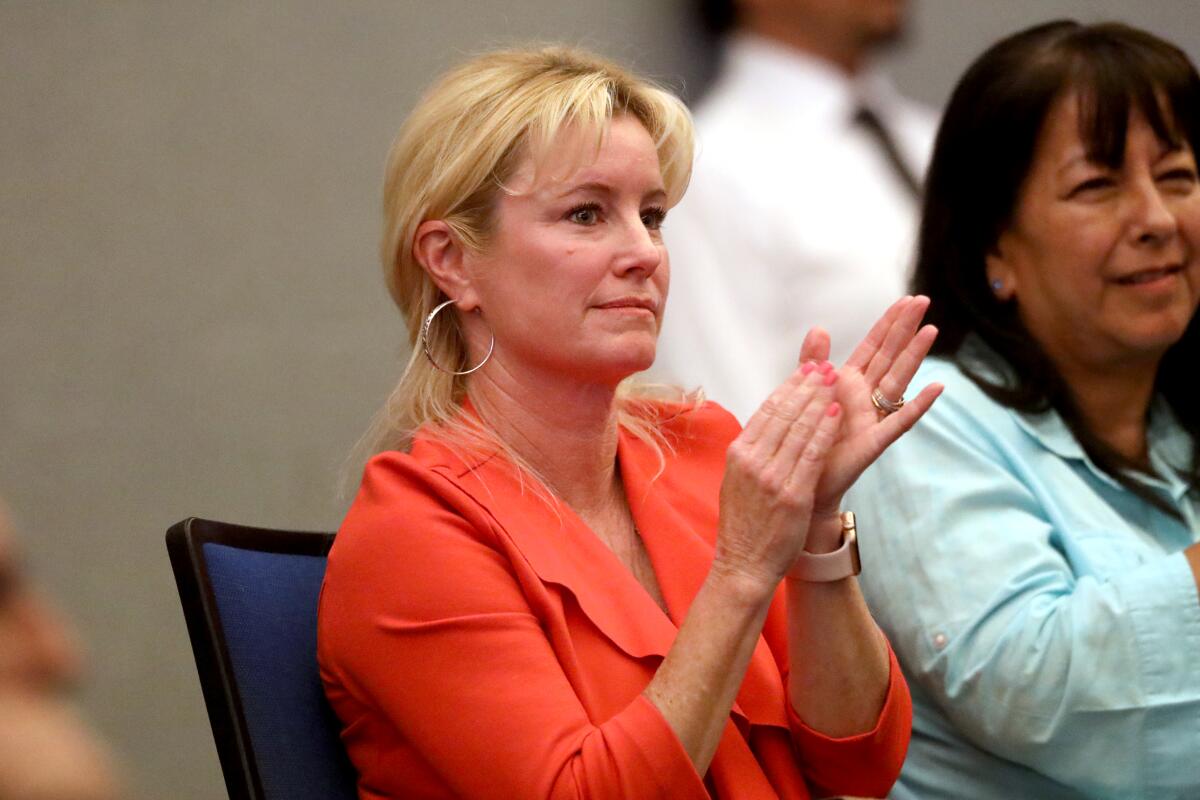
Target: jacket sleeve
[(1087, 679), (423, 622), (863, 765)]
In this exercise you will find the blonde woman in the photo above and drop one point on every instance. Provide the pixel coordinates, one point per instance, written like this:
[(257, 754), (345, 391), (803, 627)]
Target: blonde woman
[(549, 585)]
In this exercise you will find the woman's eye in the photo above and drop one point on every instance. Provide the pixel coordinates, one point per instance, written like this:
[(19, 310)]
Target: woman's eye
[(1182, 176), (585, 215), (653, 218), (1096, 184)]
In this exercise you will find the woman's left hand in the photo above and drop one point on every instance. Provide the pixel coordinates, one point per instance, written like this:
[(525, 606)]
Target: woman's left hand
[(885, 360)]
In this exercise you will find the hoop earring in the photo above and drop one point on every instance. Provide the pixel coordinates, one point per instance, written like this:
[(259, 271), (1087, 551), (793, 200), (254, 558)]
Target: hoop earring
[(429, 353)]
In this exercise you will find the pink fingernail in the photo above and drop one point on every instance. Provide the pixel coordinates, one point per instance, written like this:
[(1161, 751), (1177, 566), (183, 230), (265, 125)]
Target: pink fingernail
[(807, 368), (830, 378), (825, 366), (834, 408)]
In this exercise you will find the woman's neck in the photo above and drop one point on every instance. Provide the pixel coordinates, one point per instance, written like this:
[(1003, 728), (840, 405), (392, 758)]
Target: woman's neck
[(1113, 402), (566, 431)]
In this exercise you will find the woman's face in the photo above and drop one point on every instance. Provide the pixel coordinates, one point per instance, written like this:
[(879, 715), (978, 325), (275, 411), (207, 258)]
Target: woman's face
[(1102, 262), (574, 278)]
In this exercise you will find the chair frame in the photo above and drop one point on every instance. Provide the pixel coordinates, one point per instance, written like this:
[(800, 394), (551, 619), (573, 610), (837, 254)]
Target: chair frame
[(231, 733)]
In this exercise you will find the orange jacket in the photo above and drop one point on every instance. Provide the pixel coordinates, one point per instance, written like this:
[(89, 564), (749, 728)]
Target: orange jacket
[(478, 642)]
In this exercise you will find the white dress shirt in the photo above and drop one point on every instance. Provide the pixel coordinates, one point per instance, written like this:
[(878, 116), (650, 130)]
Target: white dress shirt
[(794, 218)]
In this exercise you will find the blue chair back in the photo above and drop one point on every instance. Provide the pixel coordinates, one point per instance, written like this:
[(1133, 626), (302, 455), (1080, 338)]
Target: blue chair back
[(249, 596)]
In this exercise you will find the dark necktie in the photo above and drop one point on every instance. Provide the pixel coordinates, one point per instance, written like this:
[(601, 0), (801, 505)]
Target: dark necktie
[(869, 121)]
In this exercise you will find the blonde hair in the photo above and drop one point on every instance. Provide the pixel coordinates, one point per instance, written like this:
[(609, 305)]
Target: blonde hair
[(453, 155)]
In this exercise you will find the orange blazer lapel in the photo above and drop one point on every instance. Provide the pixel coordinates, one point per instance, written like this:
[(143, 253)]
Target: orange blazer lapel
[(562, 550)]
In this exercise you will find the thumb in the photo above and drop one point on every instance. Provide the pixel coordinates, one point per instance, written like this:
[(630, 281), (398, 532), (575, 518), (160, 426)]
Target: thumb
[(816, 345)]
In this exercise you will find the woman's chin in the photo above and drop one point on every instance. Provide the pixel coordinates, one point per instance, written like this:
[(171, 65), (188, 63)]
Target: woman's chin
[(621, 366), (1156, 337), (644, 359)]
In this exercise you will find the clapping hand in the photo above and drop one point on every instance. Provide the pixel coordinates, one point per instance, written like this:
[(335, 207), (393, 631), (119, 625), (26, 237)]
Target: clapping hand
[(813, 437), (884, 361), (771, 472)]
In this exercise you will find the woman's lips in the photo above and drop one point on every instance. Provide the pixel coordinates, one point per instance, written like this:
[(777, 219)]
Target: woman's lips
[(630, 304), (1147, 277)]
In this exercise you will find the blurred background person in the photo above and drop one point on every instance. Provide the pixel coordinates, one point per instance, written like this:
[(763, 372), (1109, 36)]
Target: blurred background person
[(1034, 560), (804, 196), (47, 752)]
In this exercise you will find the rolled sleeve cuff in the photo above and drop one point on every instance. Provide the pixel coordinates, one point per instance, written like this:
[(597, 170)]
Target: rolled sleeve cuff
[(651, 744), (866, 763), (1165, 610)]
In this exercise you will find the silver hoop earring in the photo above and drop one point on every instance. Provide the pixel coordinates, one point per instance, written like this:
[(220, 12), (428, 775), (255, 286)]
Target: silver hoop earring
[(429, 353)]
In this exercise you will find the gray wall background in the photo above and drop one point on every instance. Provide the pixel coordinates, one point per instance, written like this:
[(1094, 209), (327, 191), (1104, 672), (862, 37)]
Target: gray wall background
[(192, 320)]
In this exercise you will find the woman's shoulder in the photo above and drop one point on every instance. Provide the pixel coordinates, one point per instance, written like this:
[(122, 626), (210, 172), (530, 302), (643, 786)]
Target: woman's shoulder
[(965, 415), (947, 370), (392, 471), (702, 418), (390, 480), (679, 438), (402, 491), (964, 395), (693, 424)]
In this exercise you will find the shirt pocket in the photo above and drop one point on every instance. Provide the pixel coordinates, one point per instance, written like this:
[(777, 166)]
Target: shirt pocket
[(1104, 554)]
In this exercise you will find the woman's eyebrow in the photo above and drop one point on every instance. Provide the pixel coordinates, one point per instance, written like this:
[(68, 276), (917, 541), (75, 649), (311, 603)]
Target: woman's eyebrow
[(594, 187), (1076, 158), (604, 189)]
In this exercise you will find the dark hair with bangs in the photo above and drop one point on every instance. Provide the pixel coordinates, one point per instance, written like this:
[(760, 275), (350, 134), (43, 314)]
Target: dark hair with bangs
[(983, 152)]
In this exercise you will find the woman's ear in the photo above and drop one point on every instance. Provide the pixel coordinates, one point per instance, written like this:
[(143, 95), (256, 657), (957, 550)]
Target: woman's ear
[(1001, 277), (437, 249)]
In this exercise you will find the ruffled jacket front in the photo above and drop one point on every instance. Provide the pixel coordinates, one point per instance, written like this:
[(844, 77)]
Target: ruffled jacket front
[(478, 640)]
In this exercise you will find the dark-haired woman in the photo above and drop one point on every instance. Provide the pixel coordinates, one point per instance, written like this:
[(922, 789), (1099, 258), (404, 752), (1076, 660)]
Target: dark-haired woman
[(1036, 562)]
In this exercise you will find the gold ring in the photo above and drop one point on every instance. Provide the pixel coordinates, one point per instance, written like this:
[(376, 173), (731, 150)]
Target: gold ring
[(885, 406)]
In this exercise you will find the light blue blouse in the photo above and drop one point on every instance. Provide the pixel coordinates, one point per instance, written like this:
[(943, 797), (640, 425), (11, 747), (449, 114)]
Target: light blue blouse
[(1046, 619)]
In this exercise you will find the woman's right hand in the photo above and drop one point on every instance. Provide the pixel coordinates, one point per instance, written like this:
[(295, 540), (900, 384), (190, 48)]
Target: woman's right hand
[(771, 473)]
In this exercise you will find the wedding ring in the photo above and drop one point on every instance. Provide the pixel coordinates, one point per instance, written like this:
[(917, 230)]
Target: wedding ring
[(883, 405)]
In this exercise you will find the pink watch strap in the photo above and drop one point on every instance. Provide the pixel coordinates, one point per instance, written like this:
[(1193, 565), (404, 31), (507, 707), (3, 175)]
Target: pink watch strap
[(841, 563)]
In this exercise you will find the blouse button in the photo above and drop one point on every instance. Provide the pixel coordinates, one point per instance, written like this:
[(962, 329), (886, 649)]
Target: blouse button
[(939, 640)]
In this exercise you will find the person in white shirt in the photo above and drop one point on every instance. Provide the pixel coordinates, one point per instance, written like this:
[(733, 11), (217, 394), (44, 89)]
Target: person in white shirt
[(804, 201)]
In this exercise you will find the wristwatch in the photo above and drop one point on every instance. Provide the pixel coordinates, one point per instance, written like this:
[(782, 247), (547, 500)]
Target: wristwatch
[(841, 563)]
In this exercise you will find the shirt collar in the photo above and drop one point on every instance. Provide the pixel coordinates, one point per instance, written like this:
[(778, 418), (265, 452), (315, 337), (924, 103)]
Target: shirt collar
[(1169, 450), (784, 77), (1052, 433)]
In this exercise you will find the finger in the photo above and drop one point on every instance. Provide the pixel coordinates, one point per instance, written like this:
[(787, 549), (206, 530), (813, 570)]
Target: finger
[(816, 346), (891, 427), (811, 463), (871, 343), (894, 384), (762, 415), (904, 327), (771, 421), (801, 431)]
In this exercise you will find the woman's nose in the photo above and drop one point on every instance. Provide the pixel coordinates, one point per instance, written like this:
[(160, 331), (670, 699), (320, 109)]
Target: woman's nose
[(1153, 220), (642, 249)]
